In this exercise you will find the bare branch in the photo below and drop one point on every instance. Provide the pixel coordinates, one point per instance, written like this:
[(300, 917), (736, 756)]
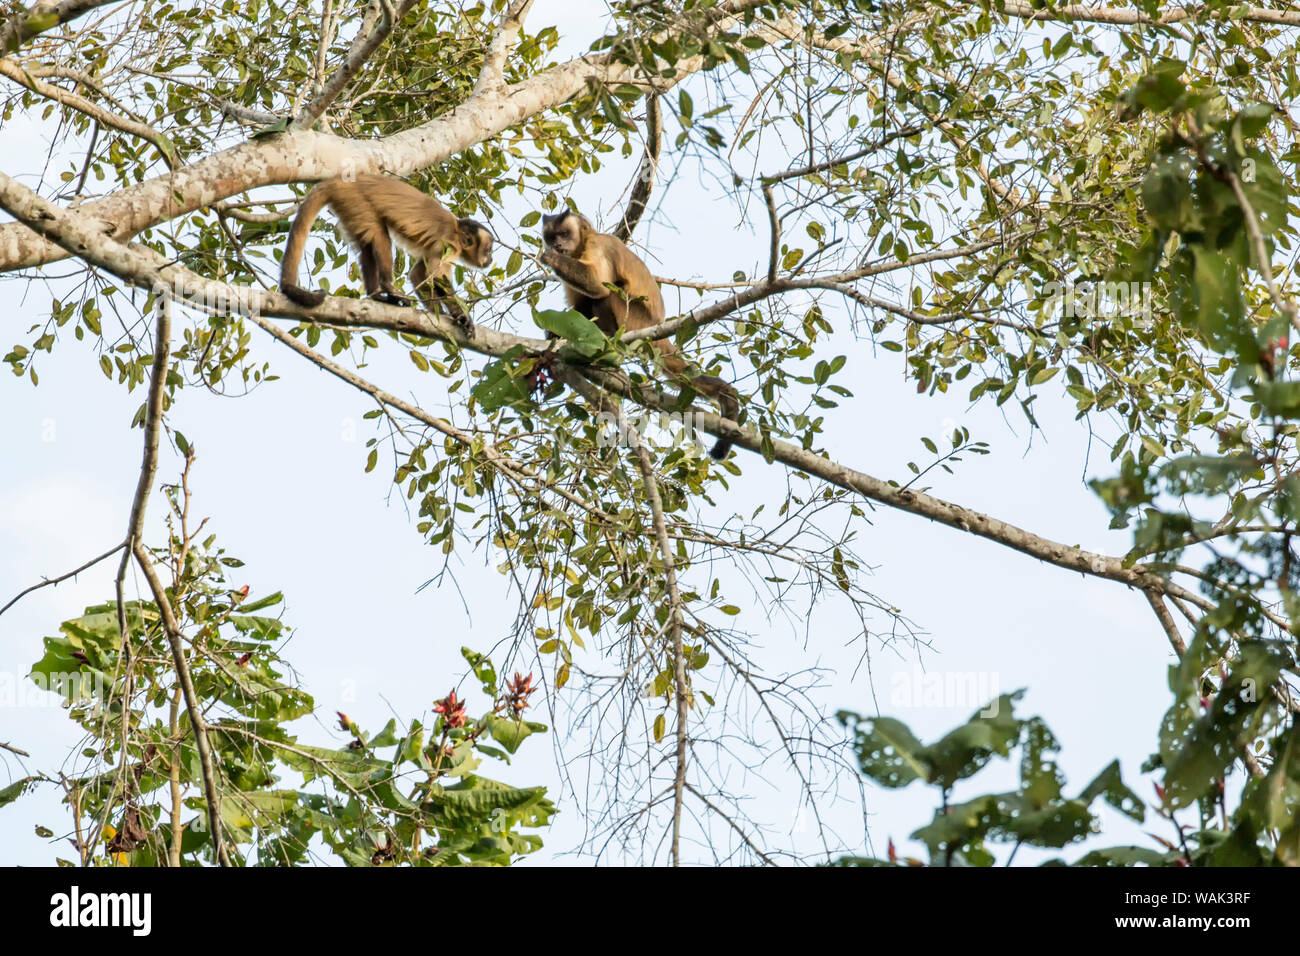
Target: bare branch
[(327, 22), (774, 228), (47, 582), (750, 294), (1166, 620), (822, 167)]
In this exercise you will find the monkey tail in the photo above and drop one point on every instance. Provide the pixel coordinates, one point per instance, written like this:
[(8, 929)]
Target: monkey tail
[(728, 400), (311, 206)]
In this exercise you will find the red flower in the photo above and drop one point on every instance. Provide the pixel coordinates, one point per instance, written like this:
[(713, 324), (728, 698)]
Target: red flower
[(452, 710), (518, 692)]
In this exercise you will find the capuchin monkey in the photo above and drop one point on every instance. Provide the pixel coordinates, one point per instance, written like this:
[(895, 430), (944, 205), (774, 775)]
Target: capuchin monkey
[(588, 263), (373, 211)]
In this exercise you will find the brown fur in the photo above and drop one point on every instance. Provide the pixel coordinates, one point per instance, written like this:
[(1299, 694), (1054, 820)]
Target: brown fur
[(373, 211), (588, 262)]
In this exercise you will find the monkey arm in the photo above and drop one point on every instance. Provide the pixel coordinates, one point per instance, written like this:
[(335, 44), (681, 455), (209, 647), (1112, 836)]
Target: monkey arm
[(575, 274), (437, 294)]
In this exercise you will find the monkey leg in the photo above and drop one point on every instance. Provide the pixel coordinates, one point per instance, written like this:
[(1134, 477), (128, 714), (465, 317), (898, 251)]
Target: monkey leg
[(369, 271), (382, 288), (437, 294)]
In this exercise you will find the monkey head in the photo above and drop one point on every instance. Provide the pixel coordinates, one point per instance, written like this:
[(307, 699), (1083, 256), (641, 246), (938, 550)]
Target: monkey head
[(475, 244), (565, 232)]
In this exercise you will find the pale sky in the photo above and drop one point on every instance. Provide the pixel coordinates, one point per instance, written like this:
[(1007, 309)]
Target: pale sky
[(280, 472)]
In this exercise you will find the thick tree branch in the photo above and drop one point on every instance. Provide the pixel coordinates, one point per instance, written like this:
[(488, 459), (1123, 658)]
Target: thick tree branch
[(303, 155)]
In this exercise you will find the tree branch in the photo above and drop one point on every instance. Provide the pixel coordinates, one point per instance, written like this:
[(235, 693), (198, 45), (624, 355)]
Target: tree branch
[(1113, 17), (680, 691), (14, 72), (645, 177), (172, 629), (47, 582), (43, 16), (367, 41), (302, 155), (1166, 620), (492, 75), (145, 268)]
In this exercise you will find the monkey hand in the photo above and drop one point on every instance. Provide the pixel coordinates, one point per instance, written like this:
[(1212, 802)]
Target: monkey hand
[(392, 298)]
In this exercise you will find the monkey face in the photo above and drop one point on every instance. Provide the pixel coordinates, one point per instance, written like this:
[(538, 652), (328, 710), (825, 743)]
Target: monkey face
[(562, 232), (475, 244)]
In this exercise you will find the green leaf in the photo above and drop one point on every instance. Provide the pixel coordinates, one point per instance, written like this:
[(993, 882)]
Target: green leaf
[(576, 329), (1167, 193), (510, 732), (16, 789), (500, 387), (261, 603), (887, 751)]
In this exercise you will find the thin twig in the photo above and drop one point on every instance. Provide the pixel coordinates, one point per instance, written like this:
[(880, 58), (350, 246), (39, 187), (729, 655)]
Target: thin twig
[(62, 577)]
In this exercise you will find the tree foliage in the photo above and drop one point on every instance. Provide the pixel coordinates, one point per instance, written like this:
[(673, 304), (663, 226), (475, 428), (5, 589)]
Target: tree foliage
[(998, 199)]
